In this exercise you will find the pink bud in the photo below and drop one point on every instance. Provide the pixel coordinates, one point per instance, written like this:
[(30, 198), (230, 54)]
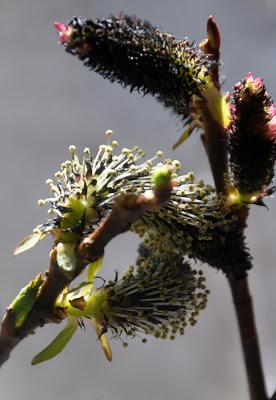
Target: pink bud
[(249, 77), (257, 82), (64, 32)]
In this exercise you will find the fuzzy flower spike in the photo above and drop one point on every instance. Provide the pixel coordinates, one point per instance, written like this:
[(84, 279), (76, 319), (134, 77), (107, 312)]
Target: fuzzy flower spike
[(252, 140), (139, 55), (159, 297), (193, 221), (85, 190), (142, 57)]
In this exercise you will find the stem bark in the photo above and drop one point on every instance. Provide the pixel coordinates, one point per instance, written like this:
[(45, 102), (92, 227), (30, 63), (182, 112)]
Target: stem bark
[(249, 338), (215, 144)]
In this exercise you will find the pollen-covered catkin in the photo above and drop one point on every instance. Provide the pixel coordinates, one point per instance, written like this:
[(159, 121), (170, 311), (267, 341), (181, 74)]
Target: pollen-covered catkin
[(159, 296), (193, 222)]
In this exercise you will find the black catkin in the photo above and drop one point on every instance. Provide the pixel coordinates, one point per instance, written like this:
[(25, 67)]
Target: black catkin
[(252, 144), (140, 56)]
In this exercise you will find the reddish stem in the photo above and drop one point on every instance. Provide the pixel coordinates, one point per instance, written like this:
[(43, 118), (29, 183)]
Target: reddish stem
[(215, 145), (249, 338)]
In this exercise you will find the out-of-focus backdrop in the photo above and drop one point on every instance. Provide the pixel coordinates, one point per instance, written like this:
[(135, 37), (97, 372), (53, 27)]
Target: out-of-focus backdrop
[(48, 101)]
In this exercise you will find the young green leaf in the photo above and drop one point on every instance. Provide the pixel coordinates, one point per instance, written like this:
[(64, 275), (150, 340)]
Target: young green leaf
[(28, 242), (103, 340), (58, 344), (185, 135)]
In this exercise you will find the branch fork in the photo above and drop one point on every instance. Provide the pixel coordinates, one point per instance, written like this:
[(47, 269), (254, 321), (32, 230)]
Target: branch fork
[(126, 210)]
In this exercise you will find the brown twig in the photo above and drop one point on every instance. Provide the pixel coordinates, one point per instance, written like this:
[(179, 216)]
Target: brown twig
[(214, 138), (127, 209), (215, 145), (248, 333), (211, 46)]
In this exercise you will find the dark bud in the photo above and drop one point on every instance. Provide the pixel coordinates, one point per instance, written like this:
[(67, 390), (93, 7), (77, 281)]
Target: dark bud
[(252, 139)]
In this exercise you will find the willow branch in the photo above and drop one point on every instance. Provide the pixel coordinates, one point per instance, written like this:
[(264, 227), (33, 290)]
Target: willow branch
[(248, 333), (215, 145), (126, 210), (214, 138)]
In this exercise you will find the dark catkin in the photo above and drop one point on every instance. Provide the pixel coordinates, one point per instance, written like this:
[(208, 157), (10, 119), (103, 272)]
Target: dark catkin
[(252, 144), (227, 252), (219, 243), (140, 56)]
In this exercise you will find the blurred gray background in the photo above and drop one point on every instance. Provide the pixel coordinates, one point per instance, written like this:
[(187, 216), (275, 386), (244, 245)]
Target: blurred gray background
[(48, 101)]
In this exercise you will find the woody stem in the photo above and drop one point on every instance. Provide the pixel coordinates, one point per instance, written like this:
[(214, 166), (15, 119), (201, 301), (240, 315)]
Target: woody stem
[(215, 144)]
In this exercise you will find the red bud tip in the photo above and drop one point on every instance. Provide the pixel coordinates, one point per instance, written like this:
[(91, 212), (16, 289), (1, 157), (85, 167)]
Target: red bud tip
[(64, 32), (213, 33), (60, 27)]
